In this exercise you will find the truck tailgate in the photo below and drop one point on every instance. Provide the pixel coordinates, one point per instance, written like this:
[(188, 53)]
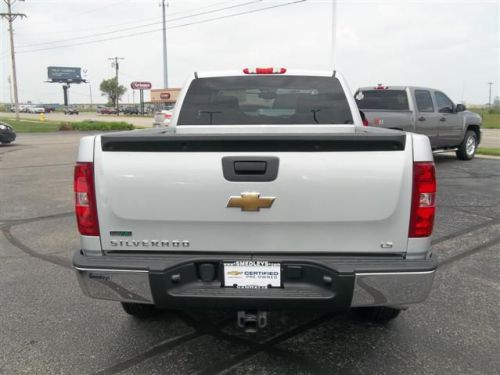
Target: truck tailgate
[(345, 194), (390, 119)]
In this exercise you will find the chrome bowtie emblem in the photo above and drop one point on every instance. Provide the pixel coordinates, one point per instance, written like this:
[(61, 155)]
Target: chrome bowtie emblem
[(250, 202)]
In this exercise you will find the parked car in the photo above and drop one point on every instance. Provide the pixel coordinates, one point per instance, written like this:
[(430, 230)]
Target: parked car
[(257, 199), (422, 110), (163, 118), (107, 110), (131, 111), (71, 110), (7, 133), (49, 109), (36, 109)]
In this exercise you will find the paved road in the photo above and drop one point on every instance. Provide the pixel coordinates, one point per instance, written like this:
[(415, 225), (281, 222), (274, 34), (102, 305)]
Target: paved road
[(491, 138), (48, 326), (146, 121)]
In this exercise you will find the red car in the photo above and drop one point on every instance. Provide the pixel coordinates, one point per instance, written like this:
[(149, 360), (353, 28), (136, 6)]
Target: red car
[(107, 111)]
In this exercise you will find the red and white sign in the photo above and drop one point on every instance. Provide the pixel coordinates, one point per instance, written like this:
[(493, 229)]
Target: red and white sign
[(138, 85), (165, 95)]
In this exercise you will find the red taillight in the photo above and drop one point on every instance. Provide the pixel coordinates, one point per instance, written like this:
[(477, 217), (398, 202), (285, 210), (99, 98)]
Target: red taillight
[(365, 122), (85, 202), (381, 87), (265, 71), (423, 202)]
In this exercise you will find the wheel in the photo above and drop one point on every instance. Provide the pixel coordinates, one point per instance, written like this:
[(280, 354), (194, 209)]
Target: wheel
[(140, 310), (467, 149), (6, 142), (379, 314)]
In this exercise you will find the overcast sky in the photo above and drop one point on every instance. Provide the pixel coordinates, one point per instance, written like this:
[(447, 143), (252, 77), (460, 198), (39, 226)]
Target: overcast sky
[(450, 45)]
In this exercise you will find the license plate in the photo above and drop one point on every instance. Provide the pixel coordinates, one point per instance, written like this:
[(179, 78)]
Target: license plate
[(252, 274)]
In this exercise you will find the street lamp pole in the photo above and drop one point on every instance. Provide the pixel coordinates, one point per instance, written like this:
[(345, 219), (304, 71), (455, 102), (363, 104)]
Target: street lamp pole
[(165, 70), (334, 34)]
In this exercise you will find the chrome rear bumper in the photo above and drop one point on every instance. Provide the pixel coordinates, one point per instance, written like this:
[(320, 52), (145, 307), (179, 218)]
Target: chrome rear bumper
[(391, 288), (116, 285), (398, 288)]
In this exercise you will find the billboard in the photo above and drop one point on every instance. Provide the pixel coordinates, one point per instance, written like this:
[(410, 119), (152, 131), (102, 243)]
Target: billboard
[(164, 95), (65, 74), (140, 85)]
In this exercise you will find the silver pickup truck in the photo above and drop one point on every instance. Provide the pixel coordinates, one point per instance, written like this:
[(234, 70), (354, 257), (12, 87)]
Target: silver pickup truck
[(265, 192), (422, 110)]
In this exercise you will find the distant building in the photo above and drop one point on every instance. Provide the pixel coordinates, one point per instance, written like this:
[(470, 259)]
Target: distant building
[(164, 96)]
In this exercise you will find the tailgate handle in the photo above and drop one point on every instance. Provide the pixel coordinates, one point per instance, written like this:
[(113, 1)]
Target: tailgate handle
[(250, 168)]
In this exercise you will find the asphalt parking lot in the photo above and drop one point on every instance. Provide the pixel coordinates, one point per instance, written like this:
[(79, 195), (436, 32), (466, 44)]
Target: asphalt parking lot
[(48, 326)]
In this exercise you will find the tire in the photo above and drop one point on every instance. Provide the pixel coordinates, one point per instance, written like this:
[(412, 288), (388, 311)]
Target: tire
[(140, 310), (6, 142), (467, 149), (379, 314)]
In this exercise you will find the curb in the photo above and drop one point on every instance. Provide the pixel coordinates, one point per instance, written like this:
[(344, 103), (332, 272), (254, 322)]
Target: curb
[(487, 157)]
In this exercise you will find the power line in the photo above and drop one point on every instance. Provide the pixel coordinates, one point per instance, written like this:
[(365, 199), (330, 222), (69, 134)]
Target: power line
[(138, 26), (238, 14), (72, 30), (168, 28), (199, 8)]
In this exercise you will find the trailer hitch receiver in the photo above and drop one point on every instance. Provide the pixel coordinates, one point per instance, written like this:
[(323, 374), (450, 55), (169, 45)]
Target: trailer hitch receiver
[(251, 321)]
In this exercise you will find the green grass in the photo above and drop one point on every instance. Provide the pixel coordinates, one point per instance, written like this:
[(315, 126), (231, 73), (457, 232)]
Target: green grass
[(101, 125), (33, 126), (30, 126), (494, 151), (490, 120)]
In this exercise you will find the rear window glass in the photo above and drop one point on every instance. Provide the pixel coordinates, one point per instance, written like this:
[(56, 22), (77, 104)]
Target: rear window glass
[(382, 99), (249, 100)]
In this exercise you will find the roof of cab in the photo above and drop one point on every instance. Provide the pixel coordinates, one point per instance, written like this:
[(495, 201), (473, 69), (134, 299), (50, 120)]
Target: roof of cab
[(389, 87), (289, 72)]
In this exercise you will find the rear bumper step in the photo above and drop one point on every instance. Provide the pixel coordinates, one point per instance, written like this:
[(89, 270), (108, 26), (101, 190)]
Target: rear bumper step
[(317, 282)]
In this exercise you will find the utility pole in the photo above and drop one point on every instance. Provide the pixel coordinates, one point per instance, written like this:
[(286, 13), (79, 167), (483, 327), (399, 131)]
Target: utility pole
[(489, 97), (165, 70), (116, 65), (10, 91), (90, 91), (10, 17)]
